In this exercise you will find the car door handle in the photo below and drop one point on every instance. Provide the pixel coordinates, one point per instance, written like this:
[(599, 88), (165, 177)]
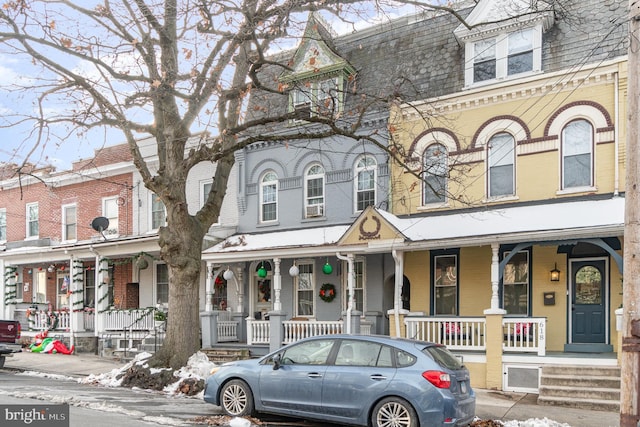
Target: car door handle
[(378, 377), (314, 375)]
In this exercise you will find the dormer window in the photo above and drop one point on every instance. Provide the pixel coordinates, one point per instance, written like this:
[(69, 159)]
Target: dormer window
[(509, 45), (316, 98), (504, 56)]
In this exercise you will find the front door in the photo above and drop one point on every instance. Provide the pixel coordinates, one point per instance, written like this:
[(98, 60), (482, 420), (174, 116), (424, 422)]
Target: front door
[(589, 301)]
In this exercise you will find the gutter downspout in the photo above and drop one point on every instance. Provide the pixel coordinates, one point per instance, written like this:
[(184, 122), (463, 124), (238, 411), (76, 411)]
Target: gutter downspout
[(616, 143), (397, 287), (349, 259)]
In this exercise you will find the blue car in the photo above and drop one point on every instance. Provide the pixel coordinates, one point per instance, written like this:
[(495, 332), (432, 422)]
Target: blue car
[(375, 381)]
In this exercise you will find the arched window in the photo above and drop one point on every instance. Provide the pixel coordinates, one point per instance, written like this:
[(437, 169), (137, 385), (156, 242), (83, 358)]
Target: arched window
[(314, 191), (269, 197), (365, 182), (577, 154), (435, 171), (501, 165)]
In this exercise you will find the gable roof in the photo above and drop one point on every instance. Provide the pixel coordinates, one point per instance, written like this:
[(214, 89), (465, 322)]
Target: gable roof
[(315, 54), (504, 14)]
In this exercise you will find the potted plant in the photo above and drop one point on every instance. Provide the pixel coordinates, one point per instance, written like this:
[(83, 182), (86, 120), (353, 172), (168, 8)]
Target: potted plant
[(160, 317)]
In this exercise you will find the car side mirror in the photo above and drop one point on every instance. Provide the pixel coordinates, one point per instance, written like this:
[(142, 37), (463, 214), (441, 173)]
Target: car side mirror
[(277, 361)]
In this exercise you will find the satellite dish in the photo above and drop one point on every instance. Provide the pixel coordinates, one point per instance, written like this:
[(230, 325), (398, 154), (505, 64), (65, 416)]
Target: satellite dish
[(100, 224)]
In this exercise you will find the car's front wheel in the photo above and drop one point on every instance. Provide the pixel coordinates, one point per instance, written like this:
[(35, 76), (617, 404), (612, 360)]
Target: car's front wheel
[(236, 399), (394, 412)]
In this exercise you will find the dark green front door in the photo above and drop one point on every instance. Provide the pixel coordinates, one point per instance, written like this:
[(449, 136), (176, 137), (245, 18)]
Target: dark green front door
[(588, 301)]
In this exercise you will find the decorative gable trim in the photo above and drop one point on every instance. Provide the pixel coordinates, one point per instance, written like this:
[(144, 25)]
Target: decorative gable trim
[(491, 17)]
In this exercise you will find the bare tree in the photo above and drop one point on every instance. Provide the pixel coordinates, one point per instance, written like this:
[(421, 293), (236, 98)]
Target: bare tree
[(166, 69)]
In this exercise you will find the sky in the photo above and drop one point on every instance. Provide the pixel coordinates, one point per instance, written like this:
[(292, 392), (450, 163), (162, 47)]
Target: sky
[(19, 142)]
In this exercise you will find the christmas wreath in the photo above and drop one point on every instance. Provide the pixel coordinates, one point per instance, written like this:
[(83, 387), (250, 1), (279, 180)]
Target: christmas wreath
[(327, 292)]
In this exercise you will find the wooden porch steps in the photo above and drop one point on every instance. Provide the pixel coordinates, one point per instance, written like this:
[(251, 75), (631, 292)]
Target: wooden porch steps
[(226, 354), (588, 387)]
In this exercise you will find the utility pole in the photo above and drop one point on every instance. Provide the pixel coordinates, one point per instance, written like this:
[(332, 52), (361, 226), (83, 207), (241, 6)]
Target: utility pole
[(630, 361)]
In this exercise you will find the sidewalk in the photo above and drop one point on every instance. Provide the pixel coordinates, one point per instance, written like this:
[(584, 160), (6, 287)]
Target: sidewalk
[(490, 405)]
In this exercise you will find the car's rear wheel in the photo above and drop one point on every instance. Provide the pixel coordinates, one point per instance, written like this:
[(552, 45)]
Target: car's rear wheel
[(236, 399), (394, 412)]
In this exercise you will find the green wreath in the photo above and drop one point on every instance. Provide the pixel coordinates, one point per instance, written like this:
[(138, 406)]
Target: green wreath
[(327, 292)]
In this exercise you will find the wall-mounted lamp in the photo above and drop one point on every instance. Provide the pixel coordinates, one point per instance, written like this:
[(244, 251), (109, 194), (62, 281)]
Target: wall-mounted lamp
[(555, 273)]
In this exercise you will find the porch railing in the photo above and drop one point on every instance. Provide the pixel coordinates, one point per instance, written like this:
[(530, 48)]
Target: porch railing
[(457, 333), (56, 320), (524, 334), (227, 327), (257, 331), (120, 320), (295, 330)]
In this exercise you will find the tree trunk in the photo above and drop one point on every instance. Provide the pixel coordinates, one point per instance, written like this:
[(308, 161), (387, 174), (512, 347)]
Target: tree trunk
[(181, 249)]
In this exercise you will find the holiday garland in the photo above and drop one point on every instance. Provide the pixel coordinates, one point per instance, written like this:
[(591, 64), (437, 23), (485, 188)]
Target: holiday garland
[(327, 292)]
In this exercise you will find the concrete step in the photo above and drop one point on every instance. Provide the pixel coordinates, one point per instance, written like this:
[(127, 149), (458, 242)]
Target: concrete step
[(587, 387), (580, 381), (580, 370), (591, 404), (221, 355), (581, 392)]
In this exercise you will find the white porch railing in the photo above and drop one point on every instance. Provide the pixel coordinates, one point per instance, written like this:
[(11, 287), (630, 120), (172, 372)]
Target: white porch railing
[(135, 319), (295, 330), (257, 331), (526, 334), (227, 327), (56, 320), (457, 333)]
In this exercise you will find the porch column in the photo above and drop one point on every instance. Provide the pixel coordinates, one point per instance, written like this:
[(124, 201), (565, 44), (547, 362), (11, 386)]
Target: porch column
[(76, 297), (102, 292), (209, 288), (495, 281), (350, 284), (493, 341), (8, 290), (239, 289), (277, 285)]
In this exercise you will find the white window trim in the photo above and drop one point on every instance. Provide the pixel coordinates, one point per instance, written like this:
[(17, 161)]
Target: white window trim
[(28, 206), (506, 253), (345, 284), (445, 202), (4, 211), (261, 199), (580, 189), (64, 223), (155, 285), (108, 232), (313, 288), (203, 196), (514, 159), (502, 53), (314, 97), (308, 177), (356, 171), (151, 227)]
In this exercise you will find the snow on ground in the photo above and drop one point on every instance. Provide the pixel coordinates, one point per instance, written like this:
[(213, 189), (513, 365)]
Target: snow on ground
[(199, 367)]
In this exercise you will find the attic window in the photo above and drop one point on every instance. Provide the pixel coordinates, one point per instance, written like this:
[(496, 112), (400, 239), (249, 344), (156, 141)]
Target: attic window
[(502, 39), (504, 56), (316, 98)]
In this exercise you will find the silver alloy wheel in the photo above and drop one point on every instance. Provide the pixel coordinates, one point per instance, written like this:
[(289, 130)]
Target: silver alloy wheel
[(234, 399), (394, 413)]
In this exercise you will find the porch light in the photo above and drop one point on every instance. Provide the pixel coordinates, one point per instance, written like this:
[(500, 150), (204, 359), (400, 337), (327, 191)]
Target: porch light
[(555, 273), (294, 271), (227, 275)]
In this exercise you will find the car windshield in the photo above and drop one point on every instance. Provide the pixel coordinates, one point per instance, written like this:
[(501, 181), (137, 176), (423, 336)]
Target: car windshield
[(443, 356)]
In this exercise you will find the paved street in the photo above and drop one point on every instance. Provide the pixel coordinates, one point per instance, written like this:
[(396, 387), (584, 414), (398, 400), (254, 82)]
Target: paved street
[(144, 405)]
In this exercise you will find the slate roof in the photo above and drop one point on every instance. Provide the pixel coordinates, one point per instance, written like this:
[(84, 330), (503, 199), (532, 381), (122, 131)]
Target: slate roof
[(419, 57)]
